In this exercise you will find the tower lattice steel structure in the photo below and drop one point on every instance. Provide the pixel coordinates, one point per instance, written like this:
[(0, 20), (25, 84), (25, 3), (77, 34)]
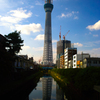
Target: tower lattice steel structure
[(47, 53)]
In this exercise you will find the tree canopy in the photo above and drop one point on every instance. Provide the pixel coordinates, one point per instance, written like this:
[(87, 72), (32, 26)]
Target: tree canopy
[(14, 42)]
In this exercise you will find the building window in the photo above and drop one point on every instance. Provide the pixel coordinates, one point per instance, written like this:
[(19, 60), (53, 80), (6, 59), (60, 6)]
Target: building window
[(95, 62), (89, 61)]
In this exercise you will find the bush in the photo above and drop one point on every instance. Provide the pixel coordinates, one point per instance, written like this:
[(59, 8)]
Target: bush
[(84, 79)]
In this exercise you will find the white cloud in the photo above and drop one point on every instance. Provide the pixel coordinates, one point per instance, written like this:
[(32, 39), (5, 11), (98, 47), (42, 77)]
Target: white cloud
[(91, 44), (26, 29), (93, 52), (31, 6), (26, 47), (36, 15), (96, 26), (90, 33), (75, 12), (78, 44), (15, 16), (21, 2), (20, 13), (54, 41), (38, 48), (39, 37), (9, 19), (54, 50), (69, 15), (4, 4), (75, 17), (95, 35), (38, 3), (96, 49), (66, 8), (66, 15)]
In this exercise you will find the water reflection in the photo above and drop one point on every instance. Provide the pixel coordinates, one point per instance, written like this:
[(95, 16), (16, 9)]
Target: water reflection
[(47, 87), (59, 93)]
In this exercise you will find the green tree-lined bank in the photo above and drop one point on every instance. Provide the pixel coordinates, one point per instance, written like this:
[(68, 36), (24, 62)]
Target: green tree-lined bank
[(83, 79)]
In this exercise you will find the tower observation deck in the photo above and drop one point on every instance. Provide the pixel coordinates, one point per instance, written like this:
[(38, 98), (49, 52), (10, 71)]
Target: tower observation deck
[(47, 53)]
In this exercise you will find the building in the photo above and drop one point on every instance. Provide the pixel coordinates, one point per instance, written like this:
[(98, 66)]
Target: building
[(47, 53), (31, 59), (2, 43), (68, 57), (61, 45), (24, 56), (77, 58), (23, 63), (70, 64), (91, 62), (62, 61)]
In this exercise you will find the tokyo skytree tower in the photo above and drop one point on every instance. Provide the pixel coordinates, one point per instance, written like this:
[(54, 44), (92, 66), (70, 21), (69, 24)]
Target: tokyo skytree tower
[(47, 53)]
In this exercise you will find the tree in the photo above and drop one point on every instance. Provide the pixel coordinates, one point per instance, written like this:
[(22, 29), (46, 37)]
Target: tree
[(14, 42)]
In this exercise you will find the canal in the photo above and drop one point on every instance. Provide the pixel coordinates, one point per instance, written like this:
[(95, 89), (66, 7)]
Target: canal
[(48, 89)]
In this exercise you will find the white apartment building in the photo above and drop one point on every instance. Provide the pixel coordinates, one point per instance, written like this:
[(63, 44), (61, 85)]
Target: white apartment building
[(70, 63), (79, 57), (68, 55)]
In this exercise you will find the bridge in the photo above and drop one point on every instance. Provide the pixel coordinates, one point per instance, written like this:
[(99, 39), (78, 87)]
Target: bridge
[(47, 68)]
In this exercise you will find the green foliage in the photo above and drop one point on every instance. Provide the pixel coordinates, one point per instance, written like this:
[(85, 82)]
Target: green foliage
[(14, 42), (84, 79)]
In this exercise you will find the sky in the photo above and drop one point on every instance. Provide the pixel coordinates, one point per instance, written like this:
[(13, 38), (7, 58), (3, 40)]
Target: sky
[(81, 17)]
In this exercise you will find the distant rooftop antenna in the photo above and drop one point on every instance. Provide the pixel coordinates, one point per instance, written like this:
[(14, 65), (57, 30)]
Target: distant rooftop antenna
[(60, 34)]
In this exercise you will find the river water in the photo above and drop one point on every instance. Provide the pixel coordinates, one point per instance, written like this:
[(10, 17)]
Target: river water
[(47, 89)]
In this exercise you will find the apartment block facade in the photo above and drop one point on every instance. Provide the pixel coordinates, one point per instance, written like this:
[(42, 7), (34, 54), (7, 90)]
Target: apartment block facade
[(68, 55), (62, 61)]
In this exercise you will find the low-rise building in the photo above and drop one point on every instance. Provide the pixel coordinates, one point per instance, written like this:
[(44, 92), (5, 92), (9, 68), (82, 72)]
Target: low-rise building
[(62, 61), (91, 62), (2, 43), (22, 62), (24, 56), (79, 57)]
